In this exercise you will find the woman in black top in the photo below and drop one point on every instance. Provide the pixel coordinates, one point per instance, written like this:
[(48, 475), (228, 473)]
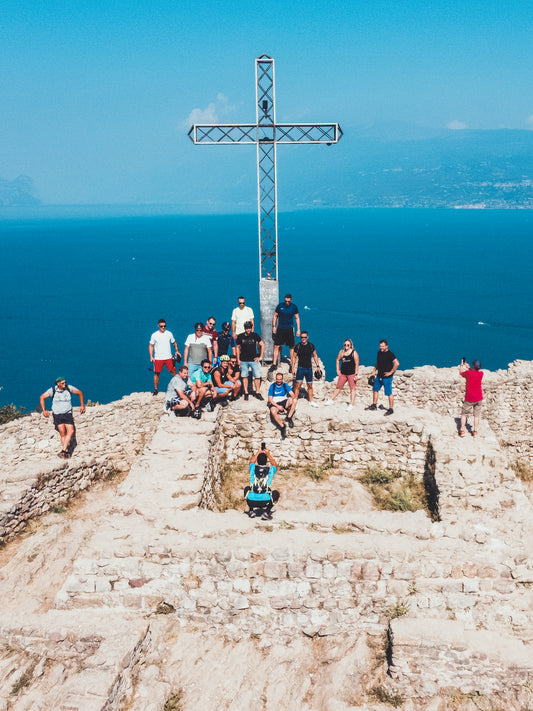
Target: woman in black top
[(347, 370)]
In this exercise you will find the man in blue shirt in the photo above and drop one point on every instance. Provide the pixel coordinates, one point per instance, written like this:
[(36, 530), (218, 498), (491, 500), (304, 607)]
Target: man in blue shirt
[(259, 497), (283, 328), (281, 401)]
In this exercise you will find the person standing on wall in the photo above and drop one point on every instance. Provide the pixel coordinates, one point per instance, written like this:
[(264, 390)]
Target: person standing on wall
[(62, 412), (285, 315), (473, 395), (386, 365), (160, 353)]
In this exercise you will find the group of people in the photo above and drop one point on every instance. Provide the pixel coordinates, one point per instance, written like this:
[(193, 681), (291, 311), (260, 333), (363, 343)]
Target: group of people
[(220, 366)]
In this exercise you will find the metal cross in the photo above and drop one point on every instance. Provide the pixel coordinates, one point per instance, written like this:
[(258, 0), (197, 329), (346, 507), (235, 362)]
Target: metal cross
[(265, 133)]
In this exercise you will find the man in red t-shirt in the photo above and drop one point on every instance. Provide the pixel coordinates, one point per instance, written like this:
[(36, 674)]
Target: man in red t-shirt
[(473, 395)]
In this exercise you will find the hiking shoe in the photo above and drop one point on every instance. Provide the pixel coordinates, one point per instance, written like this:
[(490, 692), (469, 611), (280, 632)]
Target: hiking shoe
[(350, 407), (313, 404), (291, 423), (474, 433), (196, 414), (272, 368), (266, 516), (155, 392), (462, 433), (209, 407), (258, 396), (329, 401), (283, 431), (224, 403), (246, 396), (389, 411), (371, 407)]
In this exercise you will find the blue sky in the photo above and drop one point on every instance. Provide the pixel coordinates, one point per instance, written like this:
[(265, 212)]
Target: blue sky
[(96, 98)]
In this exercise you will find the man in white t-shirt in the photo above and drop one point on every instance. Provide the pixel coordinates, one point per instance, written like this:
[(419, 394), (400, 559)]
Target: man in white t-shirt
[(240, 315), (160, 353)]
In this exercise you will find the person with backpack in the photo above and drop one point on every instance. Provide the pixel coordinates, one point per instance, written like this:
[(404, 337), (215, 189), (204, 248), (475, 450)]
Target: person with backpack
[(281, 401), (259, 496), (61, 395)]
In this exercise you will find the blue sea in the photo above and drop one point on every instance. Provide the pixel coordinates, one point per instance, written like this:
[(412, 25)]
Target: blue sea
[(83, 289)]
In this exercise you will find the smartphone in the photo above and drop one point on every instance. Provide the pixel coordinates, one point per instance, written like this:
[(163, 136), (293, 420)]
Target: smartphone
[(263, 445)]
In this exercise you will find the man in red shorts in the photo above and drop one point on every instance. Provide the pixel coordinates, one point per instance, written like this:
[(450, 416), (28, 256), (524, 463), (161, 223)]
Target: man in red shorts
[(160, 353)]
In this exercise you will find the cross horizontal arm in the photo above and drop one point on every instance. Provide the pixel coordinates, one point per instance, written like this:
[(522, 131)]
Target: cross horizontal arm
[(283, 133), (308, 133), (223, 133)]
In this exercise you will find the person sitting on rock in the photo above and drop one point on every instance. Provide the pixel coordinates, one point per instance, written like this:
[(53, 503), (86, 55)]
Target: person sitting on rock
[(281, 401), (222, 383), (259, 496), (181, 395), (234, 374), (205, 390)]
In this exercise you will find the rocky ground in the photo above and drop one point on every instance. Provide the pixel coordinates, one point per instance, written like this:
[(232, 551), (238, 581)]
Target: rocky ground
[(134, 589)]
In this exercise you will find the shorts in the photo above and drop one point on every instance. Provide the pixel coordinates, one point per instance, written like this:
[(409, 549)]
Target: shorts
[(193, 368), (386, 382), (350, 379), (284, 337), (158, 365), (283, 403), (223, 391), (302, 373), (63, 418), (470, 408), (254, 365)]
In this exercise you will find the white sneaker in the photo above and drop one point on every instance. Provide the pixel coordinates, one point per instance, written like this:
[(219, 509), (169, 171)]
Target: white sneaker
[(329, 401), (314, 404), (350, 407)]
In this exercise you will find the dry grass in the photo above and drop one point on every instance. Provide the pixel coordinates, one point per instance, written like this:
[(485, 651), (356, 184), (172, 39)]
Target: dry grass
[(233, 477), (523, 470), (174, 702), (318, 472), (394, 490), (386, 697)]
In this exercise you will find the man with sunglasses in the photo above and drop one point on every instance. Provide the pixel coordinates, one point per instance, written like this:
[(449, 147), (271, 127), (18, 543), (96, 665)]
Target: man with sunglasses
[(204, 386), (210, 330), (240, 316), (160, 354), (285, 315), (305, 352)]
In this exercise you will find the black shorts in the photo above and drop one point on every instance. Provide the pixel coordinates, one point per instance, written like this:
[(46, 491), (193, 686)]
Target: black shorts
[(284, 337), (65, 418), (282, 403)]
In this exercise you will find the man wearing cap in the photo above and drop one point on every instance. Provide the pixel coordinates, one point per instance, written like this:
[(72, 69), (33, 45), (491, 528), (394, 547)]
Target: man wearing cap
[(197, 349), (222, 381), (160, 353), (473, 395), (62, 411), (226, 342), (247, 345)]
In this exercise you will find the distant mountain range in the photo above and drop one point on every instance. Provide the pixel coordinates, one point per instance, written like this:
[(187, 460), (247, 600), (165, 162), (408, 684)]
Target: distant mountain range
[(386, 165), (451, 168), (18, 193)]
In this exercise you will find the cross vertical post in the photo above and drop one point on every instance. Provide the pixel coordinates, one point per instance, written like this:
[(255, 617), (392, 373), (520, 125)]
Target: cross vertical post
[(267, 206), (266, 134)]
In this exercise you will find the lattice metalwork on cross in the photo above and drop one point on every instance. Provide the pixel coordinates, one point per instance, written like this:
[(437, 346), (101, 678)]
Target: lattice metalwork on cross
[(266, 134)]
